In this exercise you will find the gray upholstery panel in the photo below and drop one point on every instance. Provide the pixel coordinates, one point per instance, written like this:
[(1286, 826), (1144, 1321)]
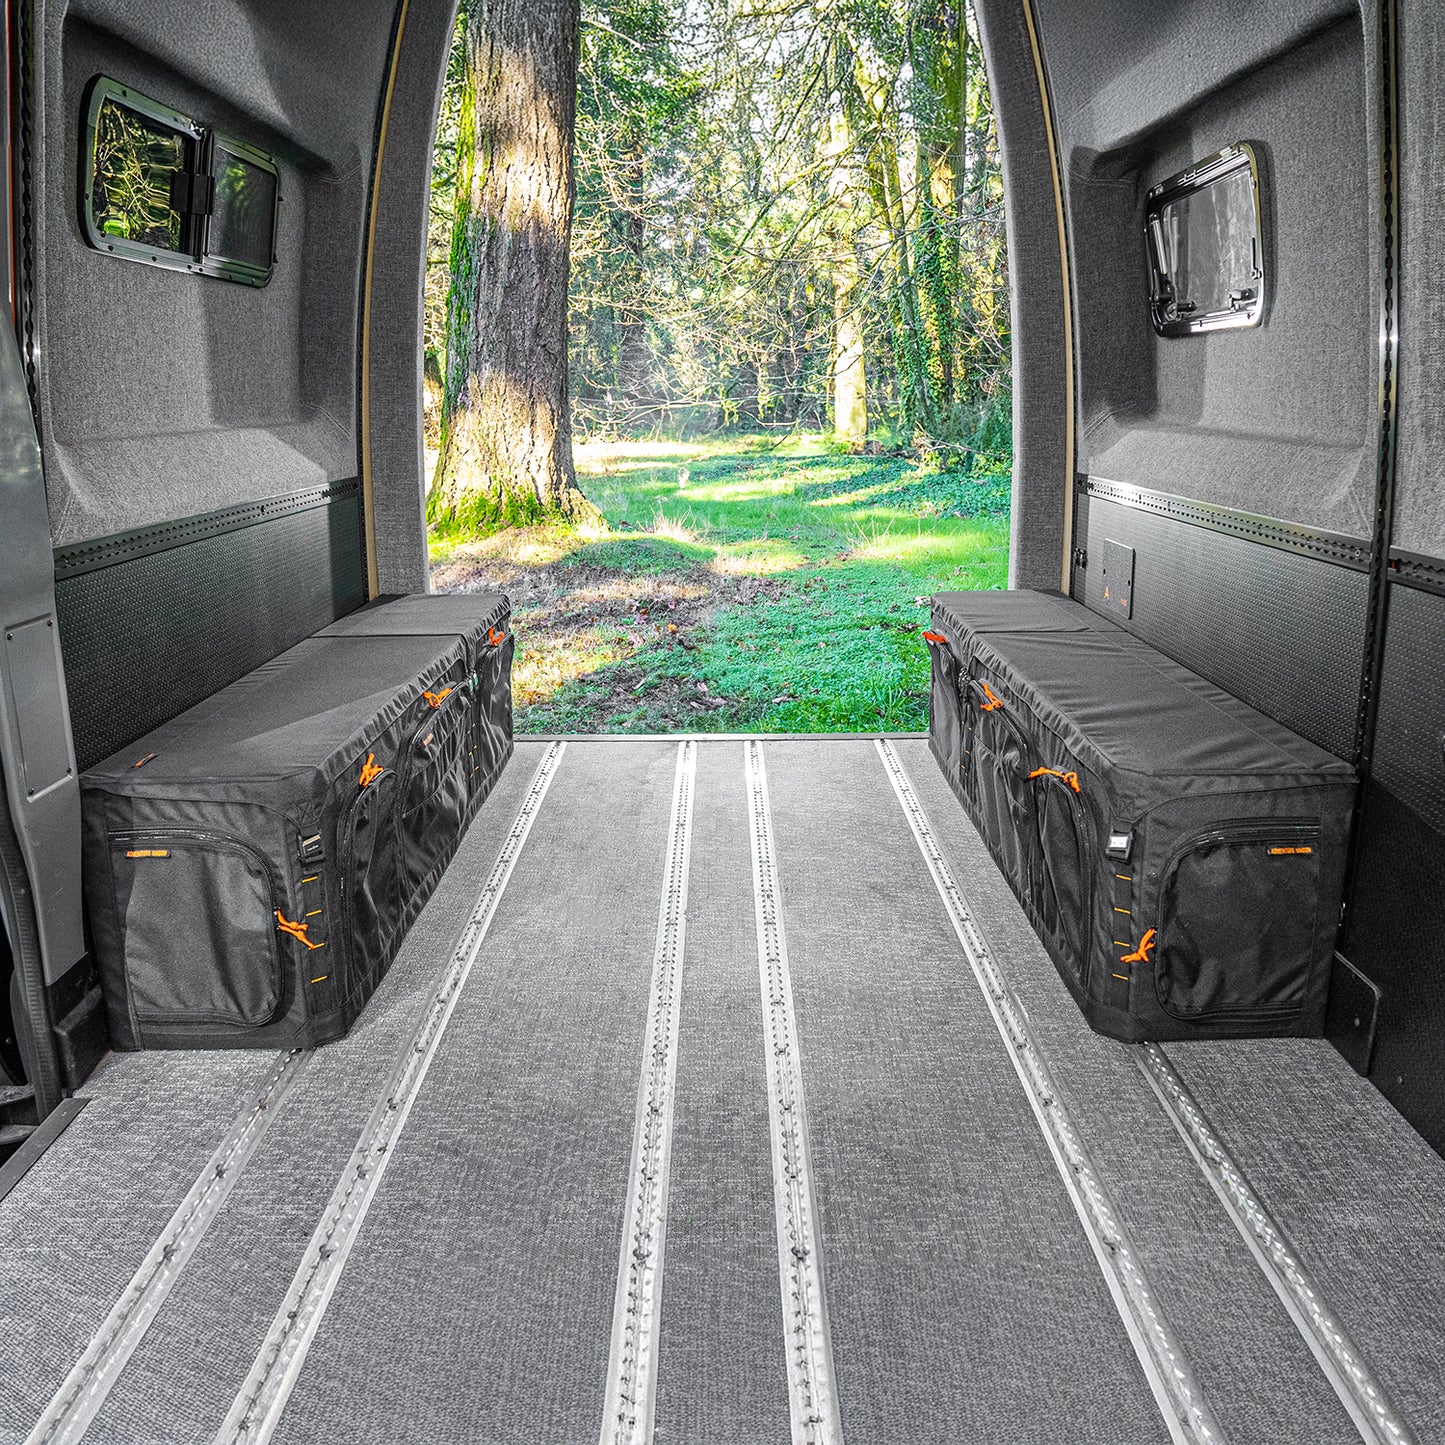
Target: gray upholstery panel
[(211, 392), (1041, 480), (1279, 419), (1117, 70), (398, 265)]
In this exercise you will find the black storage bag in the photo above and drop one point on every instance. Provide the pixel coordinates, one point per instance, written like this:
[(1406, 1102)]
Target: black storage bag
[(1180, 854), (252, 866)]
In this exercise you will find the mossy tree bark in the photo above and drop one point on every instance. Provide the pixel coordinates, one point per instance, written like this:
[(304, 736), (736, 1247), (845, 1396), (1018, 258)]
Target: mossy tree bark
[(506, 424)]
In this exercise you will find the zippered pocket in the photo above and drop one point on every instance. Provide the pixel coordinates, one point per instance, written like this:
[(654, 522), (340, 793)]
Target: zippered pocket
[(197, 913), (1065, 895), (997, 764), (433, 791), (946, 705), (1238, 921), (370, 866)]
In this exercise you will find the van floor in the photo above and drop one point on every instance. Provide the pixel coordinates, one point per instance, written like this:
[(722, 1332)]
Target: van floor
[(956, 1292)]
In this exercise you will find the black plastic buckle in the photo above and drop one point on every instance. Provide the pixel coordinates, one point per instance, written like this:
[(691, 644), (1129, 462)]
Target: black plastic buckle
[(1121, 842), (311, 849)]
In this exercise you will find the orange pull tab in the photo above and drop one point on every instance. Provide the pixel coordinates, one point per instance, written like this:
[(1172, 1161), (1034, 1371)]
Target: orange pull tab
[(296, 930), (1072, 779), (937, 637), (1141, 954), (371, 770), (993, 701), (495, 638), (141, 762), (436, 699)]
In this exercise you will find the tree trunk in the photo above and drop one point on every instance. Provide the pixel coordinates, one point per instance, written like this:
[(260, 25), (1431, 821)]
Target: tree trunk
[(850, 381), (506, 423)]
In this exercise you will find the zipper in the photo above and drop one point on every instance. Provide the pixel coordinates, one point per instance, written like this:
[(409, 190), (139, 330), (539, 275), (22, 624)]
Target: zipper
[(223, 841), (434, 717), (1261, 831)]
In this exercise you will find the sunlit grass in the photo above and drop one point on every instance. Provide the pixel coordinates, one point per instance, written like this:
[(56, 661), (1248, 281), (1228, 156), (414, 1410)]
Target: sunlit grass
[(737, 585)]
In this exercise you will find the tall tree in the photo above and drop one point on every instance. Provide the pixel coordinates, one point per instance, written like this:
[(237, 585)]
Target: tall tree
[(506, 423)]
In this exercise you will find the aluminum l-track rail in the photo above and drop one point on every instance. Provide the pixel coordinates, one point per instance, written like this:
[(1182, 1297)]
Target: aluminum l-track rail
[(257, 1408), (84, 1390), (812, 1388), (627, 1413), (1181, 1400)]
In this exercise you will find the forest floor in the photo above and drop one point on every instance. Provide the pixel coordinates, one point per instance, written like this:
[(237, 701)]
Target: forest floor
[(735, 586)]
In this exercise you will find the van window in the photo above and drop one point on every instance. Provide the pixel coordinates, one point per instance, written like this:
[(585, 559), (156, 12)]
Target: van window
[(1205, 246)]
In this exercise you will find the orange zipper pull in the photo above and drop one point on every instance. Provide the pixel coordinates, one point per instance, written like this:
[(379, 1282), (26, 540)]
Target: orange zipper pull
[(371, 770), (937, 637), (495, 638), (1141, 954), (1072, 779), (436, 699), (993, 701), (296, 930)]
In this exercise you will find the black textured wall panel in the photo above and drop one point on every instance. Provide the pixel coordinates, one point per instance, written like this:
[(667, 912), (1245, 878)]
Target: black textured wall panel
[(147, 637), (1283, 631), (1396, 935)]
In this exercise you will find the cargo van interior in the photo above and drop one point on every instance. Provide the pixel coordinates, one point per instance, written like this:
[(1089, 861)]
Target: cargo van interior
[(792, 1006)]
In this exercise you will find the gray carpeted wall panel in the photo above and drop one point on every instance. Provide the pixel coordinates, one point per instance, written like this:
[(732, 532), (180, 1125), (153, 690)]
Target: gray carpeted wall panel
[(1277, 419), (1254, 1366), (477, 1303), (722, 1379), (398, 271), (1420, 510), (956, 1269), (1041, 479), (214, 392), (181, 1381)]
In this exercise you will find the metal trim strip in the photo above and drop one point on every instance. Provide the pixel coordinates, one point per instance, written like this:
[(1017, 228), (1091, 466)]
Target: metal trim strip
[(1359, 1390), (77, 558), (1336, 548)]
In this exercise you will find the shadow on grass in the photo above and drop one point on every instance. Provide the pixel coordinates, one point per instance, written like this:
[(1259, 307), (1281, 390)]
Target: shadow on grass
[(641, 553)]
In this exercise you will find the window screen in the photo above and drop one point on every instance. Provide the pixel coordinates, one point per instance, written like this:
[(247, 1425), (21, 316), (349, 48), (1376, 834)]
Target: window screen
[(1206, 252), (158, 188), (243, 211)]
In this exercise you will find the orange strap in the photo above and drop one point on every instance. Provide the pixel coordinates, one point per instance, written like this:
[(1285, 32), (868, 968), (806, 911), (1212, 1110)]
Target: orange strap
[(436, 699), (1072, 779), (993, 701), (495, 638), (1141, 954), (371, 770), (937, 637), (296, 930)]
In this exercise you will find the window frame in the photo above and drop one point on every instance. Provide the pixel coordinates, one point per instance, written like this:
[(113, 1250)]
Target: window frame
[(1200, 176), (198, 259)]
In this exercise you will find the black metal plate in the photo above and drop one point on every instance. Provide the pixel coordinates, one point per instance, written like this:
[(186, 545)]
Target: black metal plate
[(1354, 1007)]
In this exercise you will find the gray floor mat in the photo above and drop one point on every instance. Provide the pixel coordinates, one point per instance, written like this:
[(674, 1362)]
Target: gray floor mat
[(1251, 1360), (966, 1303), (181, 1381)]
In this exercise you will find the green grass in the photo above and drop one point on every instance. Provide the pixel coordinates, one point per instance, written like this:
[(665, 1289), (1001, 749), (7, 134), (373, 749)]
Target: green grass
[(736, 587)]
